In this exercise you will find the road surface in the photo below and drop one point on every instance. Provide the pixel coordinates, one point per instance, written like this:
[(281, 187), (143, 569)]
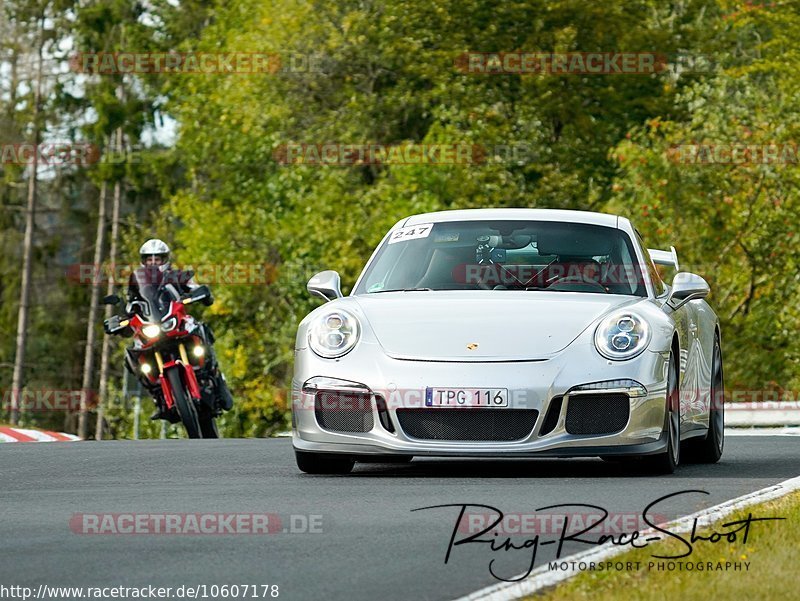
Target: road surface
[(371, 545)]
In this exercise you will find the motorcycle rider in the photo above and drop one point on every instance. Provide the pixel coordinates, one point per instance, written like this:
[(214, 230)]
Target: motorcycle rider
[(155, 261)]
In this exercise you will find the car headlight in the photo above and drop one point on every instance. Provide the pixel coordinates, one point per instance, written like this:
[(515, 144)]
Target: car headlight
[(170, 324), (333, 334), (622, 336), (151, 330)]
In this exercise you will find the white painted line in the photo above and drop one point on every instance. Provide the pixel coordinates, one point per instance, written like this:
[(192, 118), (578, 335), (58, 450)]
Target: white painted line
[(542, 577)]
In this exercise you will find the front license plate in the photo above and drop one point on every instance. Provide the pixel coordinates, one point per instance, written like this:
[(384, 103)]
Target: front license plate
[(466, 397)]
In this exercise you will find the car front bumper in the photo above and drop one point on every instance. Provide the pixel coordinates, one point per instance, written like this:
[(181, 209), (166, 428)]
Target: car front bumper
[(532, 385)]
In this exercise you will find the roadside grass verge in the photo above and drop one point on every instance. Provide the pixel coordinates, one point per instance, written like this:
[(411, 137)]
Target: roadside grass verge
[(770, 552)]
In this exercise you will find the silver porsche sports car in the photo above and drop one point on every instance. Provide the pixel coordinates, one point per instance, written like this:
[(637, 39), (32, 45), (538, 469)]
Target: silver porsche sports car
[(509, 333)]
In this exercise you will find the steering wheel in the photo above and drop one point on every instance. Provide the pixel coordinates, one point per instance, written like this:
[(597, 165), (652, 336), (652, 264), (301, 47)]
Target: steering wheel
[(579, 279)]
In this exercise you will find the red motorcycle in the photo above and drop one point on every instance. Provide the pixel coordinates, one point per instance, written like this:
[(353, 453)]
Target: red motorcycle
[(172, 354)]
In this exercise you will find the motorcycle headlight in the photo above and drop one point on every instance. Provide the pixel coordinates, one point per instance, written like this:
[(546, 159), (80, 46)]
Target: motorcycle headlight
[(170, 324), (622, 336), (151, 330), (333, 334)]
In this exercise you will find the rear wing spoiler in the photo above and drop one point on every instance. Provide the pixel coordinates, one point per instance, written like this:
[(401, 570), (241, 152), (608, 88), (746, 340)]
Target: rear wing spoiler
[(665, 257)]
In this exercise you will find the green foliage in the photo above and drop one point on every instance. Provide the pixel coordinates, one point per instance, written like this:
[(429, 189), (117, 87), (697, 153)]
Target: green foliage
[(387, 74), (735, 224), (389, 77)]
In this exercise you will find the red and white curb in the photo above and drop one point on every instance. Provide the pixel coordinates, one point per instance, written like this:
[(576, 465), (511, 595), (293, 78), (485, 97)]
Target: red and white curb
[(25, 435)]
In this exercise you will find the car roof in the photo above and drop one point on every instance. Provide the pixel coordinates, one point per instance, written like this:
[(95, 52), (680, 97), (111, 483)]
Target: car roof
[(562, 215)]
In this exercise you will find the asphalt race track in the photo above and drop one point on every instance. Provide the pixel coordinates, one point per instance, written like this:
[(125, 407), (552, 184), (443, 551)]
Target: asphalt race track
[(371, 545)]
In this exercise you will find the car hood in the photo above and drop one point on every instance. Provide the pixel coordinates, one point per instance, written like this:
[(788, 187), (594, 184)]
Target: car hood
[(505, 326)]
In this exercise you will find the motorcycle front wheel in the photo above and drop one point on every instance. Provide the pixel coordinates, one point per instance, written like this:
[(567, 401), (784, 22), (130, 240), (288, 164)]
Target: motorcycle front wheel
[(184, 404)]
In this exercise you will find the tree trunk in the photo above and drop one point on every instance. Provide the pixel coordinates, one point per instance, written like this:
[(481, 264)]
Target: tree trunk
[(112, 258), (94, 304), (27, 245)]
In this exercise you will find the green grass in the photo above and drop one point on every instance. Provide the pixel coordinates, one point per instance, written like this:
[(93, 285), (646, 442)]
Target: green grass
[(771, 551)]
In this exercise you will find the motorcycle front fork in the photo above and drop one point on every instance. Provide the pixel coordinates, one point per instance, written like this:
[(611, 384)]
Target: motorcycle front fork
[(209, 377)]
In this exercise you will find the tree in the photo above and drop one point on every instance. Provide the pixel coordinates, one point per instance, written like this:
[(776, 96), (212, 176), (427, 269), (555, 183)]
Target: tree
[(388, 76), (734, 220), (30, 213)]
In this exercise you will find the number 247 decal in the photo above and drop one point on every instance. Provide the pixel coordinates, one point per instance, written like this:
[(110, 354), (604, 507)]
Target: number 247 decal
[(411, 232)]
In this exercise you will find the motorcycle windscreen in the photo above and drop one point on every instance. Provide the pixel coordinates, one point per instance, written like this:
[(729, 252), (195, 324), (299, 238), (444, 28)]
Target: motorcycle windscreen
[(156, 290)]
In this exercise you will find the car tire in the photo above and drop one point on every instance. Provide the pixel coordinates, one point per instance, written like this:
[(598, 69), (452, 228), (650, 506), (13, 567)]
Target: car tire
[(709, 449), (666, 462), (323, 463)]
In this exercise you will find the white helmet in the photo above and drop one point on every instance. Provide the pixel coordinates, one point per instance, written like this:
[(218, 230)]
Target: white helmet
[(155, 247)]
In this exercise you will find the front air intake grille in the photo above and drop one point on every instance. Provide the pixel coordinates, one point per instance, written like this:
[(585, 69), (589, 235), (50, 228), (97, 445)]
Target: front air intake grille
[(551, 417), (383, 414), (467, 424), (597, 413), (343, 411)]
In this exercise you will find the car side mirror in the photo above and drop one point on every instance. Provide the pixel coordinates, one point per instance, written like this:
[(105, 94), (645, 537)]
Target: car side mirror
[(686, 287), (112, 299), (326, 285)]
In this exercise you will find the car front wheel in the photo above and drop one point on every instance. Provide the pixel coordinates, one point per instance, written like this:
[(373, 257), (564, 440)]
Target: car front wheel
[(709, 449), (666, 462)]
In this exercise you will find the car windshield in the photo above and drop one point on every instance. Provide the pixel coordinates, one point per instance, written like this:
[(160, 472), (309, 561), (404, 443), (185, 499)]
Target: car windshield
[(505, 255)]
